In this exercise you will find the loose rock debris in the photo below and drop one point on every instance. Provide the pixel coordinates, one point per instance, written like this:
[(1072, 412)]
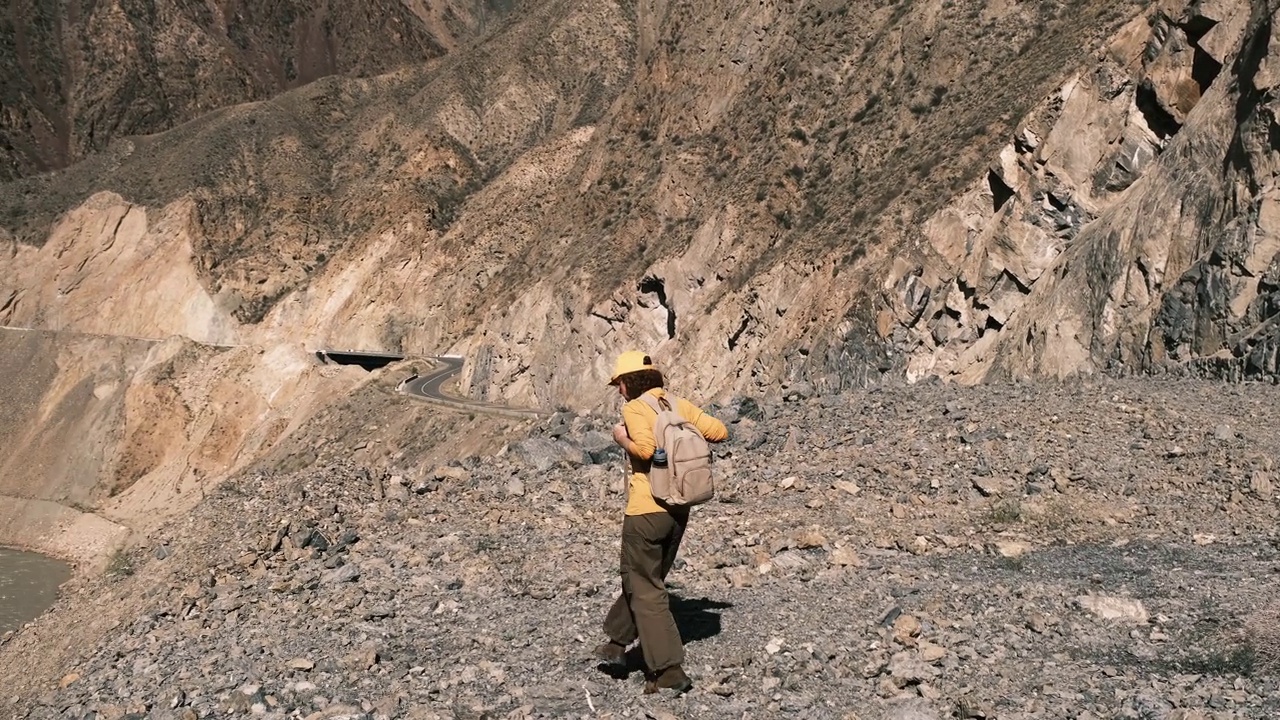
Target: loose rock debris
[(907, 592)]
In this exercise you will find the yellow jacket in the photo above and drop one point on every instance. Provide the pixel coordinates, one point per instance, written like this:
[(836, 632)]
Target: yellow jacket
[(640, 419)]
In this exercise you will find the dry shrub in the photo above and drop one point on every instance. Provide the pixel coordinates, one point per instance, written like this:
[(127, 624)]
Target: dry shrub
[(1262, 633)]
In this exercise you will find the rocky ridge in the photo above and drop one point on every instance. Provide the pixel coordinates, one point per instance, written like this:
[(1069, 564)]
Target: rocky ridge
[(1015, 551)]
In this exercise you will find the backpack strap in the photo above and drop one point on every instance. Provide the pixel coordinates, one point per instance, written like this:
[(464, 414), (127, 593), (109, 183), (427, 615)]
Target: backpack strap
[(657, 405)]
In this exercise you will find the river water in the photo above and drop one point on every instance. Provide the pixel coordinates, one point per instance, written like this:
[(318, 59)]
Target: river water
[(28, 586)]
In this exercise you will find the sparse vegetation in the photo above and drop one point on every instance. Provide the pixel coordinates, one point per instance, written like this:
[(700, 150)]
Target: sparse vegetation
[(1005, 512), (120, 564), (1237, 660), (1262, 638)]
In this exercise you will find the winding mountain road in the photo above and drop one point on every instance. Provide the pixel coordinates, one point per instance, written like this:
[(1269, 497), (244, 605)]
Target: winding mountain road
[(431, 387)]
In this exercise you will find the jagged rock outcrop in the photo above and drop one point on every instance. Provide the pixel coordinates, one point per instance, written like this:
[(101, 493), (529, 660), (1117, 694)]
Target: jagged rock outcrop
[(1125, 228)]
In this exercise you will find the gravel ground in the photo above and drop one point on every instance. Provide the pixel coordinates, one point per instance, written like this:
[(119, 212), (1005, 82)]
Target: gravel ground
[(1091, 550)]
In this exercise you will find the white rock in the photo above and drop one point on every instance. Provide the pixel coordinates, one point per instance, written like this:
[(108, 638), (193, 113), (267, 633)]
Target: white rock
[(1113, 608), (1012, 548), (919, 546), (988, 487), (906, 669), (846, 486), (788, 560), (931, 653), (846, 557)]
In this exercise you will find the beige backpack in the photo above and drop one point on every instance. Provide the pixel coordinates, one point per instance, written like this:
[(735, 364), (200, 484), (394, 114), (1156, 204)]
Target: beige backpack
[(686, 479)]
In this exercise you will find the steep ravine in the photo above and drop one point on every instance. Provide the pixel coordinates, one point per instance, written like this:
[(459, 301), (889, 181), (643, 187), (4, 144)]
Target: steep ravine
[(106, 439)]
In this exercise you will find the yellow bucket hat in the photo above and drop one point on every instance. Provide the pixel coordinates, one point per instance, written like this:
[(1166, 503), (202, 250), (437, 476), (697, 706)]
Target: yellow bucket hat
[(629, 362)]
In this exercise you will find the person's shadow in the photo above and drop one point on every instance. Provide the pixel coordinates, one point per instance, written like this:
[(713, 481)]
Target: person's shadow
[(695, 617), (696, 620)]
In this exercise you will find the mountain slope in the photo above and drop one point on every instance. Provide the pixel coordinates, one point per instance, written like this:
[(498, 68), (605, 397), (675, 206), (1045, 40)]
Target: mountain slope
[(591, 176), (79, 74)]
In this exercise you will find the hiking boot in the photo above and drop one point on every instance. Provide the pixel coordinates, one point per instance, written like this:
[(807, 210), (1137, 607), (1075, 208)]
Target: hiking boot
[(611, 654), (673, 678)]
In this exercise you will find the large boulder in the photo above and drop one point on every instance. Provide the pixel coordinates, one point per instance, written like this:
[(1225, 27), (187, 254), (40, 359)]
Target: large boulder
[(601, 448), (542, 454)]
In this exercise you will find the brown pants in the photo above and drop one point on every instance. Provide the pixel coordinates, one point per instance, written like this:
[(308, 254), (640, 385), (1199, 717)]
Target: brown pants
[(649, 545)]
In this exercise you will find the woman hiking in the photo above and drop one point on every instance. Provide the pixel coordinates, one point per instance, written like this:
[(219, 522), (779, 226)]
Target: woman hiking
[(651, 532)]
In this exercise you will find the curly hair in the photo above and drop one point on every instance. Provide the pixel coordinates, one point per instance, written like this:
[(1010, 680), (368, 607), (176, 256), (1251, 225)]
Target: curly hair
[(637, 383)]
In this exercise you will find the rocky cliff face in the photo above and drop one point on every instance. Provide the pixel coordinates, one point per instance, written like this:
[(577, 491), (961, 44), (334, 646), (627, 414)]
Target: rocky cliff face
[(80, 74), (1127, 226)]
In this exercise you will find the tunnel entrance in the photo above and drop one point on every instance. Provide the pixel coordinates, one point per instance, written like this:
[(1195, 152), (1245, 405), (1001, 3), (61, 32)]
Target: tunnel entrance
[(366, 360)]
